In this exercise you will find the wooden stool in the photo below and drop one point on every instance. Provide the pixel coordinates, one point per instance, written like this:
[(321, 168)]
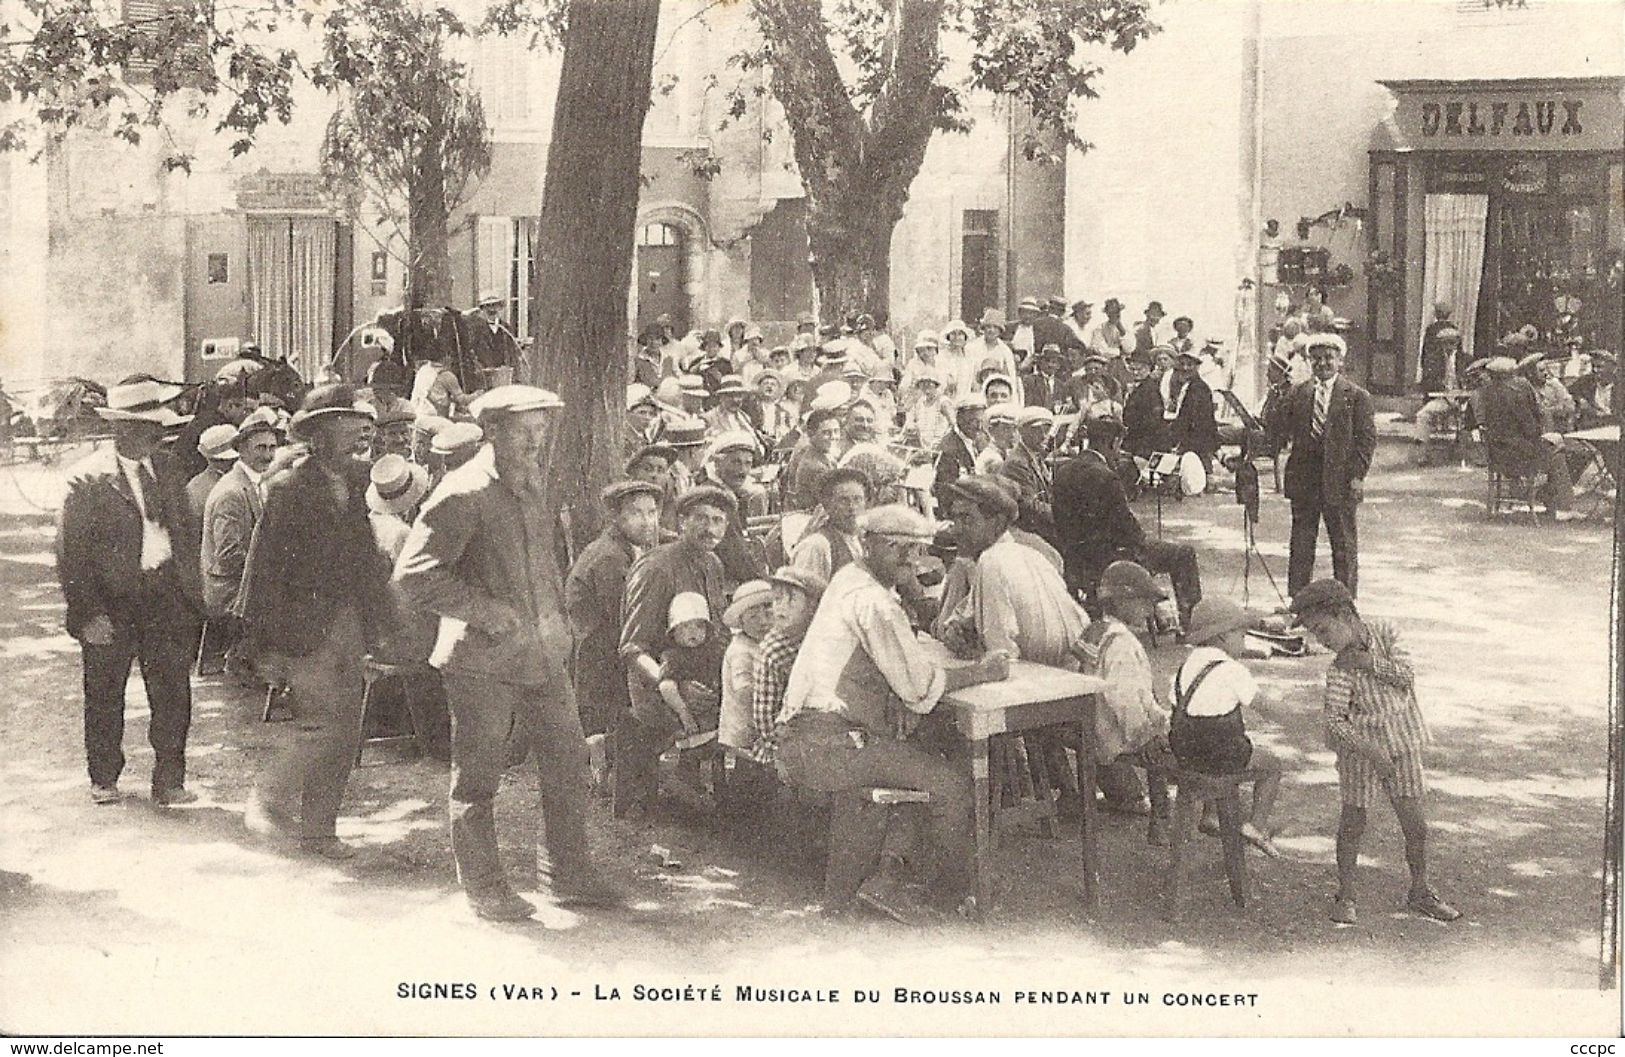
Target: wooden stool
[(375, 672), (1224, 790)]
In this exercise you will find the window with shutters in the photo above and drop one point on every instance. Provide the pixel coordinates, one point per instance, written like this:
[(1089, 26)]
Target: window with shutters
[(978, 262), (170, 28), (503, 81)]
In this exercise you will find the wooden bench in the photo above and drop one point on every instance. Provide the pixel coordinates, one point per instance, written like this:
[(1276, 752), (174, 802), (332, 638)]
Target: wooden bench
[(1195, 789)]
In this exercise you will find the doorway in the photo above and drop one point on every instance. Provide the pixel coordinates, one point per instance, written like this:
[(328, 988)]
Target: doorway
[(292, 288), (662, 271)]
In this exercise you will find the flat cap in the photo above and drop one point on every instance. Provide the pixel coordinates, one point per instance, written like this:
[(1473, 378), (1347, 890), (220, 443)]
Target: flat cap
[(707, 495), (618, 492), (1128, 580), (1213, 617), (897, 521), (1321, 594), (455, 437), (985, 492), (513, 400), (831, 395), (1327, 341), (1002, 412), (664, 451), (802, 579), (1035, 414), (969, 401)]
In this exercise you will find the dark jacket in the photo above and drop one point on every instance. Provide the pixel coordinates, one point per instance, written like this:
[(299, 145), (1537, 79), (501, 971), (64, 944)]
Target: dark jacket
[(1032, 476), (1143, 429), (592, 601), (309, 557), (98, 546), (488, 347), (1323, 469), (954, 459), (1041, 391), (1092, 517), (1509, 414)]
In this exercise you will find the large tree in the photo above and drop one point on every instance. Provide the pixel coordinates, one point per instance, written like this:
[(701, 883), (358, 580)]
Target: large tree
[(409, 136), (866, 83)]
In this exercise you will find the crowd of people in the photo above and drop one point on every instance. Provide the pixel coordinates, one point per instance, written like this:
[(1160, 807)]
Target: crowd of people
[(790, 520)]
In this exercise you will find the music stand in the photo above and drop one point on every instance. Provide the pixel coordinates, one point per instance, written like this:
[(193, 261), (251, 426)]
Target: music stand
[(1162, 467), (1247, 498)]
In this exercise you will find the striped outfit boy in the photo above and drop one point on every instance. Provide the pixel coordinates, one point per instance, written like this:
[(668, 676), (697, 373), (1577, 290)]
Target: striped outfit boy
[(1376, 708)]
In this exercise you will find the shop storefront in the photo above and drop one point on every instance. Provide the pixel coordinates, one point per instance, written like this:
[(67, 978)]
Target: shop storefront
[(1504, 199)]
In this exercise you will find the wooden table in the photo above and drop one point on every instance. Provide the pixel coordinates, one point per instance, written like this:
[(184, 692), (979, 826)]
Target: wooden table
[(1034, 696)]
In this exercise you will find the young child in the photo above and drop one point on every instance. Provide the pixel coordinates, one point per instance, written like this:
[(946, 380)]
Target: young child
[(748, 616), (1131, 725), (687, 673), (1374, 724), (1207, 733), (796, 592)]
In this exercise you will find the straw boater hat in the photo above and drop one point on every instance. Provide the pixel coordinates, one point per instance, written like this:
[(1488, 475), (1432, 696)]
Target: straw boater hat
[(732, 383), (688, 433), (1001, 412), (746, 596), (143, 401), (490, 297), (692, 385), (1030, 304), (397, 485), (218, 442), (732, 440)]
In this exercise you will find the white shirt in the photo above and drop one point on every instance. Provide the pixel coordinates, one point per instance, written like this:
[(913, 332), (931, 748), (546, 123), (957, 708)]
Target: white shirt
[(155, 545), (1228, 687)]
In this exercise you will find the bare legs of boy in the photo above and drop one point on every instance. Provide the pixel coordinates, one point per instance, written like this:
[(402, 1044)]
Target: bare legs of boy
[(1412, 822)]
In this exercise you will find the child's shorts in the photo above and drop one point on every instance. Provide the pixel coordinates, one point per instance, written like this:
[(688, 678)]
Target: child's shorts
[(1358, 779)]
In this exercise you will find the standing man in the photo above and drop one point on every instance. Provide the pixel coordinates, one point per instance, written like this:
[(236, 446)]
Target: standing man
[(481, 557), (1334, 437), (1145, 333), (592, 602), (315, 588), (687, 564), (131, 591), (229, 517), (217, 446), (488, 341)]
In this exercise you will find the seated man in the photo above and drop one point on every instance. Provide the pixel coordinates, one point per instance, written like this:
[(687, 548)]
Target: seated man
[(1097, 528), (860, 684), (844, 494), (1512, 433), (1594, 393), (1188, 410), (1028, 468)]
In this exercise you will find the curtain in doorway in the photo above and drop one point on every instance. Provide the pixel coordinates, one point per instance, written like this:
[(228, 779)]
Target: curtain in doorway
[(268, 290), (1454, 239), (312, 243)]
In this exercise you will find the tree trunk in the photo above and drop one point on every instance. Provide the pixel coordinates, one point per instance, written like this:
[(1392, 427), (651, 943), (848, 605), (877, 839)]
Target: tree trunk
[(430, 249), (851, 257), (584, 245)]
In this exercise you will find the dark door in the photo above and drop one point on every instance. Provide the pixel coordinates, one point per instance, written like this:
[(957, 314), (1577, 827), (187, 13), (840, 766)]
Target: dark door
[(662, 278)]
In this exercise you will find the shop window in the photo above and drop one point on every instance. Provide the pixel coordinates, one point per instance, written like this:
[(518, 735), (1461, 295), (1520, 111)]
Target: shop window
[(218, 270), (978, 263)]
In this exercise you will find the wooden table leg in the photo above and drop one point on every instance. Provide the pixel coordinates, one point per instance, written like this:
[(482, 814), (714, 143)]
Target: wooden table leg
[(1088, 830), (984, 824)]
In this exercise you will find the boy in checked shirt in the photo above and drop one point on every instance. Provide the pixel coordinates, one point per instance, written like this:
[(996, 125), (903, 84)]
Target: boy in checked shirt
[(1375, 725)]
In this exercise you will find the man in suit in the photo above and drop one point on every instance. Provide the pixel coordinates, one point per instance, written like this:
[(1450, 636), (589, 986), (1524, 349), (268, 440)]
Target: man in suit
[(314, 593), (1594, 393), (231, 512), (131, 586), (956, 454), (1329, 422), (1189, 411), (1509, 413), (1027, 467), (1047, 385), (490, 344)]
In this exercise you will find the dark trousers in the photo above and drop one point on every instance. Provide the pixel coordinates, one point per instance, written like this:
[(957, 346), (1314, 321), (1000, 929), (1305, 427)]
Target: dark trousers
[(817, 751), (164, 643), (1307, 514), (1178, 560), (634, 751)]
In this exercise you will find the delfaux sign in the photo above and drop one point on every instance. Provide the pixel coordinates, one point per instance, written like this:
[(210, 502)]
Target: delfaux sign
[(1509, 115)]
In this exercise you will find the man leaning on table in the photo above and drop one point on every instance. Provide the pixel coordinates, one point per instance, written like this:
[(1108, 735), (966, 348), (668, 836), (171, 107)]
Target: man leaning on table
[(861, 683)]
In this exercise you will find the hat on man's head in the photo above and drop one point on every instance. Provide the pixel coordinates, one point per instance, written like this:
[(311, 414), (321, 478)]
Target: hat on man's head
[(1501, 365), (143, 400), (1212, 618), (328, 401), (686, 606), (491, 297), (1602, 358), (513, 399), (618, 492), (687, 433), (1112, 305), (765, 374), (638, 393), (1319, 595), (1477, 365), (430, 424), (664, 451), (1326, 341), (259, 420), (396, 485), (1055, 303), (1530, 360), (1188, 356), (454, 438), (927, 339), (733, 384), (395, 416), (707, 495), (1128, 580), (970, 401), (1154, 306), (1031, 304), (217, 442), (992, 318), (804, 580), (732, 440), (832, 356), (844, 474), (831, 395), (855, 372), (692, 385), (897, 521), (1001, 413), (1051, 351), (985, 492), (1095, 357), (1082, 304), (746, 596), (1035, 415)]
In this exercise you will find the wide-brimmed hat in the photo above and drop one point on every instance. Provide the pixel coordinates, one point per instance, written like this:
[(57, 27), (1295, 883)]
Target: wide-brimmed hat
[(328, 401), (217, 442), (746, 596), (732, 383), (1212, 618), (1112, 305), (396, 485), (991, 318), (456, 437), (143, 401)]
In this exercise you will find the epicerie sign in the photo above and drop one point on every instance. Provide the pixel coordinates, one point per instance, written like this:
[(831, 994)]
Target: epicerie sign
[(1537, 118)]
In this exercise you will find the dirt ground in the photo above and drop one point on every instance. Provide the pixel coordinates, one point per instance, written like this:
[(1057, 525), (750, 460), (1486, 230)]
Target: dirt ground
[(132, 919)]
